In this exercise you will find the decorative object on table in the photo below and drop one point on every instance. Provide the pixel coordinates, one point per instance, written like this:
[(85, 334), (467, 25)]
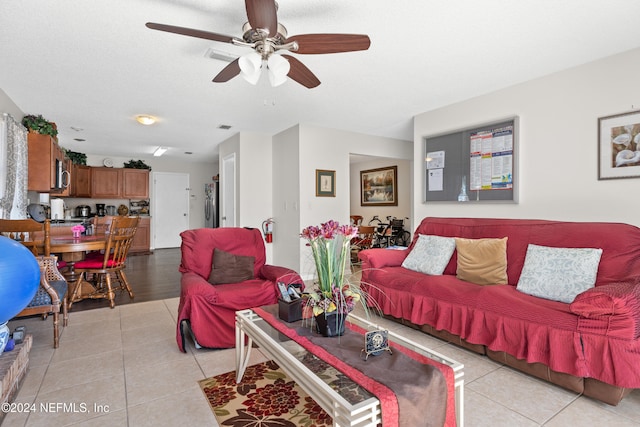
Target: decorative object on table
[(136, 164), (39, 124), (379, 187), (18, 266), (335, 297), (77, 230), (325, 183), (107, 162), (376, 342), (266, 396), (76, 157), (619, 146), (5, 334), (123, 210)]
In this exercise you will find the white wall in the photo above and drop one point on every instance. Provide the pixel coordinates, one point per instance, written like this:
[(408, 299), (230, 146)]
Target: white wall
[(329, 149), (558, 165), (8, 106), (404, 191)]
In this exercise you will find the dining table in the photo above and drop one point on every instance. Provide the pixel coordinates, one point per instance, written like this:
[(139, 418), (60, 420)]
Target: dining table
[(71, 250)]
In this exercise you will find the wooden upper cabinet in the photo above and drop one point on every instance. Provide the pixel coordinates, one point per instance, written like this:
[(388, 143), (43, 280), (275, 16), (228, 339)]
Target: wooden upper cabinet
[(135, 183), (106, 183), (119, 183), (81, 181), (44, 157)]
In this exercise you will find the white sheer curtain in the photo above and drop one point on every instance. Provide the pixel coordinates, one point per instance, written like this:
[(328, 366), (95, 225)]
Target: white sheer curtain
[(13, 168)]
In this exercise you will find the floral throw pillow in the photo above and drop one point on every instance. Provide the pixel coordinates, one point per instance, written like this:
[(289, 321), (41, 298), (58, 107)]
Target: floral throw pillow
[(558, 274), (430, 255)]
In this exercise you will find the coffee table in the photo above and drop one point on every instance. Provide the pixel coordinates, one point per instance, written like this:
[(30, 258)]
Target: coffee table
[(291, 357)]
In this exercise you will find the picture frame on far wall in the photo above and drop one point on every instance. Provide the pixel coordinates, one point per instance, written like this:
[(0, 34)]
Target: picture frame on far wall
[(619, 146), (325, 183), (379, 187)]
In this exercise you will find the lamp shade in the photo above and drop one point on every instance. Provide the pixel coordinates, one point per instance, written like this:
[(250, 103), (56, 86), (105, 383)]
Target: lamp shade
[(250, 65), (19, 278), (278, 69)]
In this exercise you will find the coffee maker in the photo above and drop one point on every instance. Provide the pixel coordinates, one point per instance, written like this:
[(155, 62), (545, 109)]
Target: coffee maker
[(100, 211)]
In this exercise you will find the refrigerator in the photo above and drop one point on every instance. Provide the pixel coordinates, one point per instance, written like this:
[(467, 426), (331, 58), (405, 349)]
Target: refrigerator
[(211, 205)]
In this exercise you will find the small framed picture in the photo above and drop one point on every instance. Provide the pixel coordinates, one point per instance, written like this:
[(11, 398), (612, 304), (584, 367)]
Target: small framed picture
[(619, 146), (325, 183)]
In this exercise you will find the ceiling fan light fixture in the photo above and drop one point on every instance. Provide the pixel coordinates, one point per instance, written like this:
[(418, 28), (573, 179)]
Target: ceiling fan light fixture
[(250, 67), (278, 69), (145, 119)]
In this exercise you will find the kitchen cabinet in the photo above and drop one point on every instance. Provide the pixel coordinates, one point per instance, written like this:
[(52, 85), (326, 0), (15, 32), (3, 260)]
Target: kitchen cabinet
[(106, 183), (48, 170), (119, 183), (142, 240), (80, 181), (135, 183)]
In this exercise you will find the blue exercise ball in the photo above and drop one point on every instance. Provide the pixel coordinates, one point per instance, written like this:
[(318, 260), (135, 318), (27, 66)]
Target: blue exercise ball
[(19, 278)]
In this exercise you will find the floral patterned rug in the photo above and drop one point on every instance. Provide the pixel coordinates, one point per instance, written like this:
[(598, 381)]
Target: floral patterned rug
[(265, 397)]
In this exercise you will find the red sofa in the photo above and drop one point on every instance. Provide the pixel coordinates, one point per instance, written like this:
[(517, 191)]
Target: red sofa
[(209, 310), (591, 345)]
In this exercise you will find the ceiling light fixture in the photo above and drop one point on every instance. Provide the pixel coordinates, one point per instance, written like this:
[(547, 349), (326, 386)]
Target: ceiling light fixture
[(160, 151), (146, 120), (252, 63)]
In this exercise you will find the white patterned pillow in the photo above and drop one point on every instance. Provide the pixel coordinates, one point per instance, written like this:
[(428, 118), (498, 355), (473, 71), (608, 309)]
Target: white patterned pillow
[(430, 255), (558, 274)]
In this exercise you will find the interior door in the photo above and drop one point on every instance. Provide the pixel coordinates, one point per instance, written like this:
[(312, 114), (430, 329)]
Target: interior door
[(228, 193), (170, 214)]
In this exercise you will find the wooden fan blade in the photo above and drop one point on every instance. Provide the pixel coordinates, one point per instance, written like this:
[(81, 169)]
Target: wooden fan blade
[(228, 72), (262, 14), (190, 32), (330, 43), (300, 73)]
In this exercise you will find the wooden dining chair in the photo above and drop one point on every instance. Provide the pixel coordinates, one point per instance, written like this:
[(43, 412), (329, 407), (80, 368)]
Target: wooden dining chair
[(51, 296), (34, 235), (362, 241), (111, 264)]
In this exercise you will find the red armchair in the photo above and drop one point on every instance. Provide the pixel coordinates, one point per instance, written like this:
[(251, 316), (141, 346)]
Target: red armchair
[(209, 309)]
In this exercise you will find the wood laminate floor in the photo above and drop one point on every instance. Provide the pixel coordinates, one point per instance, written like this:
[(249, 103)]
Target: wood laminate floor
[(152, 277)]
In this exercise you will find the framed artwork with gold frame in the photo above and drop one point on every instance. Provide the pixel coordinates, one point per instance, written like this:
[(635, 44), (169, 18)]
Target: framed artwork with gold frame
[(325, 183)]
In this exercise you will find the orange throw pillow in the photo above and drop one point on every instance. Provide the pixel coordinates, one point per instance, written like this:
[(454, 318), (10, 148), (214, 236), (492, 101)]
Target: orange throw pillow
[(482, 261)]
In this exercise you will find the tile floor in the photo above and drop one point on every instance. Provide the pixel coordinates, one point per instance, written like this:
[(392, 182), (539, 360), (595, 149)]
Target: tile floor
[(121, 367)]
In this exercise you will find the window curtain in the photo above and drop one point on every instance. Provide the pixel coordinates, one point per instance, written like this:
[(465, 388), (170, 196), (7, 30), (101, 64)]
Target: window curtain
[(13, 168)]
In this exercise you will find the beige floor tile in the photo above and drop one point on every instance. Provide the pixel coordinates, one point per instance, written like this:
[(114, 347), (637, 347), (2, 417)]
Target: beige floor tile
[(111, 419), (531, 397), (480, 411), (189, 408), (82, 370), (32, 380), (153, 353), (78, 348), (629, 407), (475, 365), (148, 334), (586, 412), (172, 305), (40, 356), (142, 308), (90, 330), (80, 403), (95, 315), (152, 318), (19, 417), (150, 382)]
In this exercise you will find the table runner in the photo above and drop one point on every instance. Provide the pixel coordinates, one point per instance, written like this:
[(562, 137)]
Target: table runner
[(413, 390)]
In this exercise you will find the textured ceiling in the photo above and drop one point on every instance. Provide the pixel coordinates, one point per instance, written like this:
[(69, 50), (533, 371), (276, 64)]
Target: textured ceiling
[(93, 65)]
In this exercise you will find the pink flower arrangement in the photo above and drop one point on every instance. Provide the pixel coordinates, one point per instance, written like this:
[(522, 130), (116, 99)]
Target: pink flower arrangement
[(330, 245)]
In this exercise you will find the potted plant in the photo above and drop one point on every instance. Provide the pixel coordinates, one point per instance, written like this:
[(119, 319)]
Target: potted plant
[(335, 297), (76, 158), (136, 164), (39, 124)]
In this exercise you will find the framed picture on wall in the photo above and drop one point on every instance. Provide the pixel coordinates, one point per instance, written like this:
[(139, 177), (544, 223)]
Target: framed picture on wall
[(325, 183), (619, 146), (379, 187)]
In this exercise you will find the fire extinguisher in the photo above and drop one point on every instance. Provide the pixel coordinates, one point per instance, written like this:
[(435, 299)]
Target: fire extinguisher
[(267, 230)]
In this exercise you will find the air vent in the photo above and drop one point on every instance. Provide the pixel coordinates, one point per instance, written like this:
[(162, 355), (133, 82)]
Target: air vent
[(224, 127)]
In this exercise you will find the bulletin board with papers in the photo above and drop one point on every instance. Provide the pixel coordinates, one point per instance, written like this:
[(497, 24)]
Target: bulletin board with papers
[(473, 165)]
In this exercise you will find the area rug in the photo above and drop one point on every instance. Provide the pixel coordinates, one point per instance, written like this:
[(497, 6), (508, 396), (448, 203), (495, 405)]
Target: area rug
[(265, 397)]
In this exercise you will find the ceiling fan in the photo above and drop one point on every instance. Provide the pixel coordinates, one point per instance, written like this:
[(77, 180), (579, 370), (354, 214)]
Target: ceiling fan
[(266, 36)]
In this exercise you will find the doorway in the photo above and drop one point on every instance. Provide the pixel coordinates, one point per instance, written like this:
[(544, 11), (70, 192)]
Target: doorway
[(228, 191), (171, 208)]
